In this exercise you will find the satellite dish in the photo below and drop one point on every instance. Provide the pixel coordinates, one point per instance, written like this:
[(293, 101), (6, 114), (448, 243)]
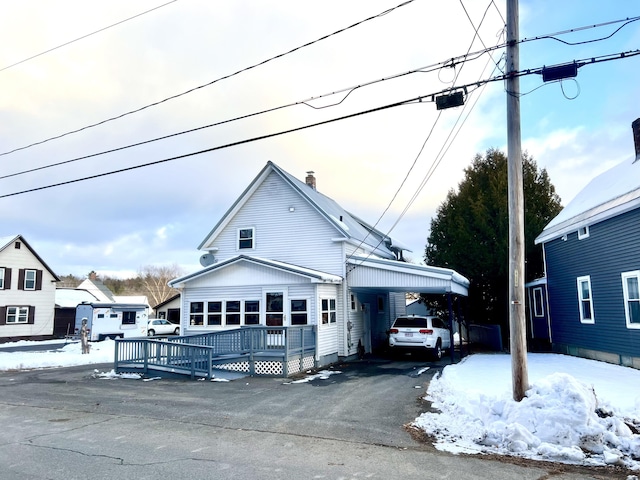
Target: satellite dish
[(207, 259)]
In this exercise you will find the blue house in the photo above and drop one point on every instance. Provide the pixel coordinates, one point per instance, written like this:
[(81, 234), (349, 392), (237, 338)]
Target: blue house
[(592, 262)]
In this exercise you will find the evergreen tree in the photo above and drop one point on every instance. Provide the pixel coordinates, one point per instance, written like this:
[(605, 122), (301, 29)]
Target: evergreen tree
[(470, 232)]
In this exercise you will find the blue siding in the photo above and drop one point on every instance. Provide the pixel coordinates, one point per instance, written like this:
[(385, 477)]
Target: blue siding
[(613, 247)]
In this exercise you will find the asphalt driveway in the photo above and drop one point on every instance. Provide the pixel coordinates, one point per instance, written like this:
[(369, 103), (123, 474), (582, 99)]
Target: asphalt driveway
[(68, 423)]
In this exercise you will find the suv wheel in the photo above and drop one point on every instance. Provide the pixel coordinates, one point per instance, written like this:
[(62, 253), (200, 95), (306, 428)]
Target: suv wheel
[(437, 352)]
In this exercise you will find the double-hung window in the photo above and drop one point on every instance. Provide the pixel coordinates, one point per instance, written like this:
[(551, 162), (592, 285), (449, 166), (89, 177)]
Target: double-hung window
[(631, 290), (29, 279), (196, 313), (246, 238), (251, 312), (585, 299), (299, 312), (2, 278)]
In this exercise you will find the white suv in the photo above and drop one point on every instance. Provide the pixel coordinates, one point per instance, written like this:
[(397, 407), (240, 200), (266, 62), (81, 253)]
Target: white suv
[(416, 332)]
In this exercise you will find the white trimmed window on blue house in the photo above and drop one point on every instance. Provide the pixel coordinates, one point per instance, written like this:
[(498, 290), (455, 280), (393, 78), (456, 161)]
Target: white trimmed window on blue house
[(538, 302), (631, 289), (585, 300), (583, 232)]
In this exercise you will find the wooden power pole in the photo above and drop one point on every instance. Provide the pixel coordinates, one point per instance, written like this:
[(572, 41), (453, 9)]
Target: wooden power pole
[(518, 331)]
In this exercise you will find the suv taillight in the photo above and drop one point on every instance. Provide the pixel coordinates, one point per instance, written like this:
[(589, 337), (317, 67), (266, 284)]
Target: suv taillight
[(426, 331), (393, 330)]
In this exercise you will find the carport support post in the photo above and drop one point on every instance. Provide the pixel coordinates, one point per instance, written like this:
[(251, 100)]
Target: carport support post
[(451, 345)]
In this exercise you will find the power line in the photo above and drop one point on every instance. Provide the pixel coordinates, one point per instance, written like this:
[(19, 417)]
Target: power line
[(420, 98), (130, 112), (415, 161), (426, 69), (85, 36)]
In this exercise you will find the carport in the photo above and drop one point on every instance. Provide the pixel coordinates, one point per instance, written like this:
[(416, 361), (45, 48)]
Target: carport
[(371, 278)]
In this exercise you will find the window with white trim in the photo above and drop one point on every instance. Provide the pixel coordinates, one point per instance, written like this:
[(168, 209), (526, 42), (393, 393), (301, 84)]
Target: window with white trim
[(299, 315), (2, 278), (196, 313), (583, 232), (232, 314), (252, 312), (328, 310), (17, 315), (29, 279), (214, 313), (246, 238), (538, 302), (354, 302), (585, 300), (631, 290)]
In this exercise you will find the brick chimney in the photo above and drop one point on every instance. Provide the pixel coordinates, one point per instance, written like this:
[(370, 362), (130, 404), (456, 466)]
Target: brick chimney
[(635, 126), (311, 180), (93, 275)]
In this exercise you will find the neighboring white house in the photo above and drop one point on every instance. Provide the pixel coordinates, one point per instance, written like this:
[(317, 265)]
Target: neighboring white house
[(284, 255), (169, 309), (27, 291)]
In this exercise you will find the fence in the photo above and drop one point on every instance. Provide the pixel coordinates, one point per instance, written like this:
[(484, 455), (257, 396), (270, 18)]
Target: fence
[(255, 350)]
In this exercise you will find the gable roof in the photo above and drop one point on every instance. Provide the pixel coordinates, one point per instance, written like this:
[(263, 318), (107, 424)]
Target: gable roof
[(8, 240), (347, 225), (315, 276), (97, 289), (610, 194)]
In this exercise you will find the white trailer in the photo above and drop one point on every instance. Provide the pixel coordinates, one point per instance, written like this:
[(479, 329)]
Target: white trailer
[(112, 320)]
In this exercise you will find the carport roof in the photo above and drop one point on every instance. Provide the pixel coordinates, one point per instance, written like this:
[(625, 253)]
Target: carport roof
[(367, 273)]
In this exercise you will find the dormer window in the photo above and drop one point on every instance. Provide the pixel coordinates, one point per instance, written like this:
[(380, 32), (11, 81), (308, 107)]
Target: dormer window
[(246, 238), (583, 232)]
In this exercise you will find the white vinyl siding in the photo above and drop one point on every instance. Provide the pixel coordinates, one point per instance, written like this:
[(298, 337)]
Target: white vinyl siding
[(631, 290), (585, 300), (302, 237), (42, 301)]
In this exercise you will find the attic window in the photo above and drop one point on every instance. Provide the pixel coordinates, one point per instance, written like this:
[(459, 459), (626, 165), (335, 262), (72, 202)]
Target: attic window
[(246, 237), (583, 232), (17, 245)]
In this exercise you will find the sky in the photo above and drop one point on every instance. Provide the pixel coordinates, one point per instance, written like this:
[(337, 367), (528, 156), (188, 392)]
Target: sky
[(159, 214), (575, 411)]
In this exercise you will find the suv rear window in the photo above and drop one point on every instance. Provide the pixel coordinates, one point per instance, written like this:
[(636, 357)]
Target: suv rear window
[(411, 322)]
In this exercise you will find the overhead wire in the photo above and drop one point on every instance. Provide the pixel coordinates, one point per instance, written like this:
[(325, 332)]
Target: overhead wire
[(172, 97), (85, 36), (426, 69), (476, 54), (420, 98), (415, 161)]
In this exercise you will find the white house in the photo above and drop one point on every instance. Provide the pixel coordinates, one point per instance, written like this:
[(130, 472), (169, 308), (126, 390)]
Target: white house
[(284, 255), (27, 291)]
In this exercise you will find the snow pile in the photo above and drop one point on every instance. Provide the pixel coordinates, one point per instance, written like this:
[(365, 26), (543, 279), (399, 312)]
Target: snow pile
[(67, 356), (561, 419)]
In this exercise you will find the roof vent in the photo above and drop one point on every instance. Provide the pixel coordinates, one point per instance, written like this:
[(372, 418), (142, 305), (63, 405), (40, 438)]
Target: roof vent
[(310, 180)]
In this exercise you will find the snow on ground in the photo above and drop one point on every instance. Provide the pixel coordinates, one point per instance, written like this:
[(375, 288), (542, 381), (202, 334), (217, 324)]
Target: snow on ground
[(575, 411), (61, 354)]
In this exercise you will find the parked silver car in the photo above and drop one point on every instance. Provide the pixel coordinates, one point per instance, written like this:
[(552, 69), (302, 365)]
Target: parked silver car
[(417, 332)]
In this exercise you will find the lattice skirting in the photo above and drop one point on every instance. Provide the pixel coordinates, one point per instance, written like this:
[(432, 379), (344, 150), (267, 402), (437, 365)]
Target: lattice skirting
[(271, 367)]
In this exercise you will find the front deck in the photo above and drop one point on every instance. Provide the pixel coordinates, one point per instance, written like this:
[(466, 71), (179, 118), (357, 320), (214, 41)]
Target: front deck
[(255, 350)]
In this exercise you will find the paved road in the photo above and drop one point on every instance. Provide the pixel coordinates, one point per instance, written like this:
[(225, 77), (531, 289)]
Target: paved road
[(64, 424)]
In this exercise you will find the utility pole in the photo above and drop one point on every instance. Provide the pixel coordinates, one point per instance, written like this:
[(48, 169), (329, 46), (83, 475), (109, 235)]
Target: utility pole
[(518, 337)]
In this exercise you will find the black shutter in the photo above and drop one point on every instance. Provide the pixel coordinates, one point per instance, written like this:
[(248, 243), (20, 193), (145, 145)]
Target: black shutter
[(21, 279), (7, 278), (32, 315), (38, 279), (3, 315)]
